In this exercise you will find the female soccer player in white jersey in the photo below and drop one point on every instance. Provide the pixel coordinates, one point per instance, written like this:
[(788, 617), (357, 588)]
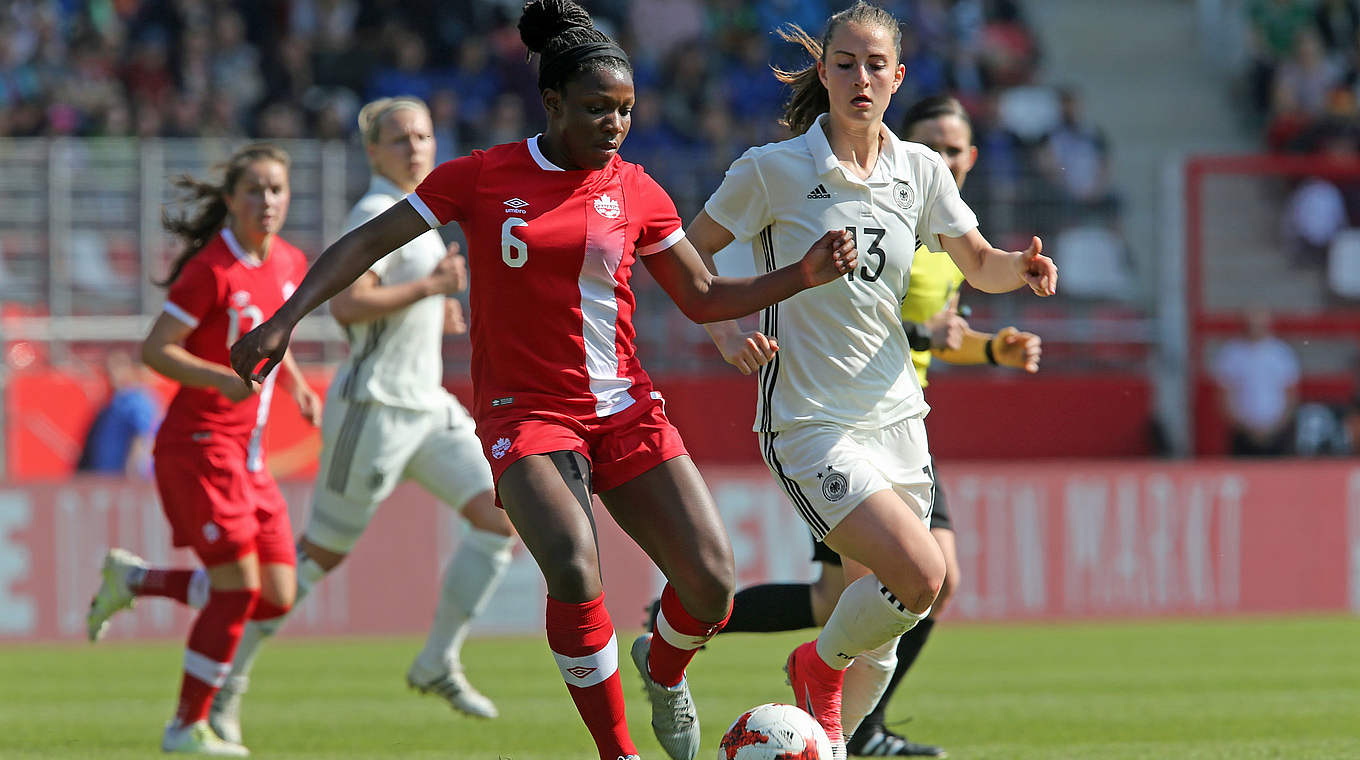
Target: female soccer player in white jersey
[(840, 410), (215, 491), (563, 408), (388, 418)]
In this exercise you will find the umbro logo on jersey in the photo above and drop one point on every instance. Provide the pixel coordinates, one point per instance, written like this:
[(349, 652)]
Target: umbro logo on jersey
[(516, 206), (818, 193), (607, 207)]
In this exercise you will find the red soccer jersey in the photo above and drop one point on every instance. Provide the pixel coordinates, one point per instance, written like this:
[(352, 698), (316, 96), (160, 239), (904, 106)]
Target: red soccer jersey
[(550, 253), (223, 294)]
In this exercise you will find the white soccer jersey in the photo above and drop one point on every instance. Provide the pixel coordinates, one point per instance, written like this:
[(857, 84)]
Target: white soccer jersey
[(843, 356), (397, 359)]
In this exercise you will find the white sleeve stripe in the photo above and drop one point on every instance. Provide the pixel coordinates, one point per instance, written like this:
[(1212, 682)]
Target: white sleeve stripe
[(663, 243), (424, 210), (180, 313), (583, 672)]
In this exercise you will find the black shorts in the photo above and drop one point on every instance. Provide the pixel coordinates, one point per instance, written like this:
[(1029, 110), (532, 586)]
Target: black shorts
[(939, 518)]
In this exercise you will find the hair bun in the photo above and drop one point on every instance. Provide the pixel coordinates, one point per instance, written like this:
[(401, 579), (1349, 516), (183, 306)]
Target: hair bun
[(543, 20)]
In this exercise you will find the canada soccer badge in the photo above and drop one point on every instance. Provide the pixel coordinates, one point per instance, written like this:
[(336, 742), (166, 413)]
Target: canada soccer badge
[(607, 207)]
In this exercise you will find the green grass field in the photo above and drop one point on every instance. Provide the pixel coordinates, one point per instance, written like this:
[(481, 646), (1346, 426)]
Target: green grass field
[(1241, 689)]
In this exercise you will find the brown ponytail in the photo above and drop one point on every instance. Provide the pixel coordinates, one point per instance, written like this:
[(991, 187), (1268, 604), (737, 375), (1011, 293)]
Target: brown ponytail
[(810, 99), (196, 227)]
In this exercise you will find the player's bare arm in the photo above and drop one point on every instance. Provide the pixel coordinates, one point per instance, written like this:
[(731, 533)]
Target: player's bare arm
[(747, 351), (993, 270), (164, 351), (705, 298), (341, 264), (367, 298)]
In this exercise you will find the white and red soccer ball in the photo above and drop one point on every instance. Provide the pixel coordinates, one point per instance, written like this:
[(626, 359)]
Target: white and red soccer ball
[(775, 732)]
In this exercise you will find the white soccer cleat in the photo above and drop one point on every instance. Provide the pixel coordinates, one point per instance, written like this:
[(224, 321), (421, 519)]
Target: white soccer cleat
[(225, 715), (115, 592), (674, 719), (454, 688), (198, 739)]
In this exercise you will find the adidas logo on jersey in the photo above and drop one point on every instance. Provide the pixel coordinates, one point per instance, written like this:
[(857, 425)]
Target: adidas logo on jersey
[(818, 193)]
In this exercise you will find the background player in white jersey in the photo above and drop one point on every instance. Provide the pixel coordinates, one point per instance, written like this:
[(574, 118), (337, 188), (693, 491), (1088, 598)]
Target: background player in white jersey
[(388, 418), (840, 411)]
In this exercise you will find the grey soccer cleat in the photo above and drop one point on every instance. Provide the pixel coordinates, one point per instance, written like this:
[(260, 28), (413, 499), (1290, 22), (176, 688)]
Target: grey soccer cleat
[(454, 688), (115, 591), (674, 719), (225, 714)]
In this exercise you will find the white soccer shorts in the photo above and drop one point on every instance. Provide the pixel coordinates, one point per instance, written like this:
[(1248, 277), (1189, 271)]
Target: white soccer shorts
[(368, 448), (826, 470)]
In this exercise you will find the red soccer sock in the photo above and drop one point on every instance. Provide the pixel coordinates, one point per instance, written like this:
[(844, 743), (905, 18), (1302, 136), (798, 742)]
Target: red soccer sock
[(172, 584), (212, 644), (267, 610), (677, 637), (581, 637)]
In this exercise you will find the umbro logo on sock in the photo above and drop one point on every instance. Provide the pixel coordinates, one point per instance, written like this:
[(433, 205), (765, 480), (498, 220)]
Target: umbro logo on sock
[(818, 193)]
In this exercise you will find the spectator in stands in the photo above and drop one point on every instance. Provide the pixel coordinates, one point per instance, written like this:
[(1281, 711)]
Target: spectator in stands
[(1274, 26), (1075, 157), (1304, 80), (1258, 377), (119, 440)]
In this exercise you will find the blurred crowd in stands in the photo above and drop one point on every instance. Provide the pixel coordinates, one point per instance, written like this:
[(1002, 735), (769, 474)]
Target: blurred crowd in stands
[(301, 68)]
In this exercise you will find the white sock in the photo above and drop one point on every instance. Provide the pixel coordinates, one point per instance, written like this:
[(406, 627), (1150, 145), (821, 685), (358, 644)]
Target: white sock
[(200, 588), (865, 682), (256, 631), (472, 576), (866, 616)]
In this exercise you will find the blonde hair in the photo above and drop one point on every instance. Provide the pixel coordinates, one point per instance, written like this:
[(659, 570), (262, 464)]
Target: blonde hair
[(372, 114), (810, 99)]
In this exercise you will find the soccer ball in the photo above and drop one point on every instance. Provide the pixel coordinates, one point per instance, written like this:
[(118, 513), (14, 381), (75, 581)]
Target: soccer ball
[(775, 732)]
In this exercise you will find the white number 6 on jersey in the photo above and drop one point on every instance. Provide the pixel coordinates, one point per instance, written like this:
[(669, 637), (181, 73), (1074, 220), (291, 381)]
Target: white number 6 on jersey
[(514, 252)]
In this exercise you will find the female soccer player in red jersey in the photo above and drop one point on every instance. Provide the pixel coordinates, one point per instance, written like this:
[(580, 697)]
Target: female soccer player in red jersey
[(563, 407), (234, 273)]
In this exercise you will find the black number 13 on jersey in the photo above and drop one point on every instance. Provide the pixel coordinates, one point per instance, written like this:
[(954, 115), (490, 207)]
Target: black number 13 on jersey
[(873, 254)]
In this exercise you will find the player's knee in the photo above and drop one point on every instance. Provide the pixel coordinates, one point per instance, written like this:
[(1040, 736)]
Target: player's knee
[(917, 585), (573, 578), (947, 588)]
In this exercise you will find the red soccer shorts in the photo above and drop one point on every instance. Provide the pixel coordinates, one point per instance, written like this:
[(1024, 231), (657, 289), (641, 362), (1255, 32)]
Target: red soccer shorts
[(219, 508), (620, 447)]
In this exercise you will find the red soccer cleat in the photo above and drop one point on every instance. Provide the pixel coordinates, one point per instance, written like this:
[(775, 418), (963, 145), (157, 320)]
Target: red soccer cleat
[(817, 691)]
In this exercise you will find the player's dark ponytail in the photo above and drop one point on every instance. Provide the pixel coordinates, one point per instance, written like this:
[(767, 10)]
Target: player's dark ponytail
[(197, 226), (809, 99), (565, 37)]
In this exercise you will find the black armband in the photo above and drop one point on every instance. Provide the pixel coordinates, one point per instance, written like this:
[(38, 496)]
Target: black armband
[(987, 350), (918, 337)]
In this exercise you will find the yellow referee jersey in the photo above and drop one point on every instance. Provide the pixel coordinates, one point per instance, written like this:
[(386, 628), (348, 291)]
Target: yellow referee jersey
[(934, 280)]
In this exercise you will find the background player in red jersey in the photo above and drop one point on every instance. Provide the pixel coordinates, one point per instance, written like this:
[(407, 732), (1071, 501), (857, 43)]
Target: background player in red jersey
[(563, 407), (234, 273)]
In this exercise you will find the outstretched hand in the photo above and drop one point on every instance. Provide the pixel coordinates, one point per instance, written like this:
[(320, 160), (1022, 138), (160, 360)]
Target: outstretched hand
[(266, 343), (1016, 349), (830, 257), (747, 352), (1038, 271)]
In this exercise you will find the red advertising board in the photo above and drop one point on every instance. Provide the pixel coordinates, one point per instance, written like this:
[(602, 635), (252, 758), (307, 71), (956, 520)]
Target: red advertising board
[(1056, 540)]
